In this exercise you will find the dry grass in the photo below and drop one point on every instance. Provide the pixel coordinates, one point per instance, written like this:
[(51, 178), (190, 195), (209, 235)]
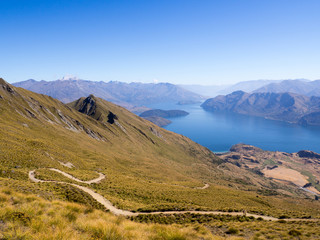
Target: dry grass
[(26, 216), (30, 217), (286, 174)]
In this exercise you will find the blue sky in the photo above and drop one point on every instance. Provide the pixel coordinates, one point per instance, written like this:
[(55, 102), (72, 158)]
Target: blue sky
[(178, 41)]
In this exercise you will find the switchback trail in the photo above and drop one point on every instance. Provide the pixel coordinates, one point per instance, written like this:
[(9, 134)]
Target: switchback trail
[(96, 180), (108, 205), (206, 185)]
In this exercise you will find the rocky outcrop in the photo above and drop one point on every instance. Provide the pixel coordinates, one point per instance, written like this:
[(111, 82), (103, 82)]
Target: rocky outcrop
[(90, 107), (112, 117), (7, 87), (308, 154)]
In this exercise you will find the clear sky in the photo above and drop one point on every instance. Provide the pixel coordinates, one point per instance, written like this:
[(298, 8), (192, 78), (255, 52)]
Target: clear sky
[(177, 41)]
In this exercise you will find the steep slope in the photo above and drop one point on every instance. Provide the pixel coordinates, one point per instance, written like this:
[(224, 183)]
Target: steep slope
[(146, 168), (287, 107), (308, 88), (124, 94)]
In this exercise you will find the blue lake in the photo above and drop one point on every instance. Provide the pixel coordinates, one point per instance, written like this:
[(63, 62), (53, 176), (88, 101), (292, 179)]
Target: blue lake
[(219, 131)]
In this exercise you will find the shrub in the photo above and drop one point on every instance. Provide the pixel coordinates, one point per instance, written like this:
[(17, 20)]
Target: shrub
[(294, 233), (71, 216), (232, 230)]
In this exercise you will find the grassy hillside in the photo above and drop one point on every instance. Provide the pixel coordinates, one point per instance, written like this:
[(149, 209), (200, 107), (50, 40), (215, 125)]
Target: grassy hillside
[(26, 216), (147, 168)]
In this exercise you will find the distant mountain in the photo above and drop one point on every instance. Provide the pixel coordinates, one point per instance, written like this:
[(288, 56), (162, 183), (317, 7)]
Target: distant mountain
[(214, 90), (247, 86), (124, 94), (205, 90), (289, 107), (308, 88)]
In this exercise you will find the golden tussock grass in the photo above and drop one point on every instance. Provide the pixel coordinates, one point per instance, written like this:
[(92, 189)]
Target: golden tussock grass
[(30, 217)]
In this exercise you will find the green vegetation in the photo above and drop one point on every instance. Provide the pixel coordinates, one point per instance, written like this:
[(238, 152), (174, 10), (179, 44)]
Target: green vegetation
[(312, 179), (269, 162), (188, 218), (266, 230)]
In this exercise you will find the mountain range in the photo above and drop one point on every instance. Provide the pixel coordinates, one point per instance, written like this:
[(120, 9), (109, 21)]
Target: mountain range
[(299, 86), (289, 107), (308, 88), (128, 95), (214, 90)]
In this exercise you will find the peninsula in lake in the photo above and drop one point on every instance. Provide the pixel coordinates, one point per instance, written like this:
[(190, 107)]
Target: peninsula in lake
[(288, 107)]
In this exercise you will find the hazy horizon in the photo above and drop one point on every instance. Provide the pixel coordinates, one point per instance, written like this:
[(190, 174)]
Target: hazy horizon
[(65, 78)]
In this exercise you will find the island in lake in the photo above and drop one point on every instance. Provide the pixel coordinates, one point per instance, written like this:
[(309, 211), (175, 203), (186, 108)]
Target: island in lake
[(158, 116)]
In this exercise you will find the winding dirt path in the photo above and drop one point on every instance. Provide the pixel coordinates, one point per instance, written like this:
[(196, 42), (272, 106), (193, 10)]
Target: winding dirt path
[(96, 180), (206, 185), (108, 205), (99, 198)]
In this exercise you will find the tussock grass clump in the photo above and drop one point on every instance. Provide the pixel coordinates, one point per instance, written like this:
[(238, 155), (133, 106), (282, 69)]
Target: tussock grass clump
[(267, 229), (232, 230), (189, 218)]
